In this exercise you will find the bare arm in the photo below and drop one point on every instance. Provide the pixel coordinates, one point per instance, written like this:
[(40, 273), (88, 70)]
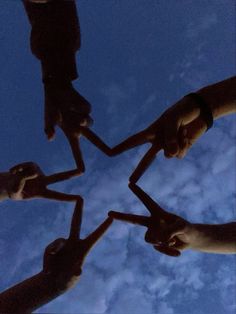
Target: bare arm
[(221, 97), (205, 237), (30, 294), (183, 122)]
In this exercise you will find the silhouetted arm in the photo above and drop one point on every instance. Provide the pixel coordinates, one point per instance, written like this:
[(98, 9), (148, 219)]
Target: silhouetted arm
[(55, 37), (30, 294)]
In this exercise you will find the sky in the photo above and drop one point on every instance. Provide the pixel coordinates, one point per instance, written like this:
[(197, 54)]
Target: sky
[(137, 59)]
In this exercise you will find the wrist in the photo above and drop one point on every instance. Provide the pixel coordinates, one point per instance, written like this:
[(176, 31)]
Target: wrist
[(208, 95), (205, 112), (221, 97), (59, 68)]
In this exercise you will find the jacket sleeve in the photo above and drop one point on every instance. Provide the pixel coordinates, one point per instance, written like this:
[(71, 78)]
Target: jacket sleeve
[(55, 37)]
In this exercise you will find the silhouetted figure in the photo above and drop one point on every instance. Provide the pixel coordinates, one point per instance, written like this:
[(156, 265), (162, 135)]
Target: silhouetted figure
[(181, 125), (55, 38), (62, 267), (169, 233), (26, 181)]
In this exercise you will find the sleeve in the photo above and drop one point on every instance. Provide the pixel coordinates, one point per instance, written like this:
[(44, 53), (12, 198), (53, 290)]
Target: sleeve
[(55, 37)]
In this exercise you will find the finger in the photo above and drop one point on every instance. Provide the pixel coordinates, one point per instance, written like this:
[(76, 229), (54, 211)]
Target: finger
[(167, 250), (131, 142), (27, 170), (50, 118), (145, 163), (131, 218), (190, 134), (153, 207), (61, 176), (174, 230), (97, 234), (93, 138), (171, 146), (76, 220), (82, 106), (58, 196), (75, 148), (24, 165)]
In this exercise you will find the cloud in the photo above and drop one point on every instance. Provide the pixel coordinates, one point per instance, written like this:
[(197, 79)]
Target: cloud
[(196, 29)]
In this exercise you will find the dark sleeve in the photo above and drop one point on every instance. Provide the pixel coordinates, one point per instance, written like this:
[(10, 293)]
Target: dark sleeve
[(55, 37)]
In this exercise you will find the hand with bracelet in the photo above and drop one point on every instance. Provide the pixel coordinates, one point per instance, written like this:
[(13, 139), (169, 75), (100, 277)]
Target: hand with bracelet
[(179, 127), (170, 234)]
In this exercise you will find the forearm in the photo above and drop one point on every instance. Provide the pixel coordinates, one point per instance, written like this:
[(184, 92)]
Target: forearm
[(55, 37), (221, 97), (30, 294), (214, 238)]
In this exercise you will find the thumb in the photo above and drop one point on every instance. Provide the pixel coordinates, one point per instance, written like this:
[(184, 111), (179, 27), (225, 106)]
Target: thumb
[(173, 230), (171, 146), (50, 119), (189, 135)]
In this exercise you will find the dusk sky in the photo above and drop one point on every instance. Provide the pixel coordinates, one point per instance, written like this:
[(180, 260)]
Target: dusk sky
[(138, 57)]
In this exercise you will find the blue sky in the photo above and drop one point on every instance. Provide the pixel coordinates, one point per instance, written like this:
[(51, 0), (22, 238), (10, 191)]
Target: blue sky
[(137, 58)]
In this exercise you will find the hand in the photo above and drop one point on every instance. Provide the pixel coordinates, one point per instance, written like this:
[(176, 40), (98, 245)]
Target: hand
[(166, 231), (175, 132), (178, 128), (64, 258), (28, 181), (69, 110), (26, 170), (177, 236)]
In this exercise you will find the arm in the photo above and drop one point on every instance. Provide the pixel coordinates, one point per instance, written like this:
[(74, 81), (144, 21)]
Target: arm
[(204, 237), (55, 36), (221, 97), (182, 124), (30, 294), (55, 39)]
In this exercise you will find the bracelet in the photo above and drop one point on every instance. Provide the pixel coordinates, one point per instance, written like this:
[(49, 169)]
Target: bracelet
[(205, 110)]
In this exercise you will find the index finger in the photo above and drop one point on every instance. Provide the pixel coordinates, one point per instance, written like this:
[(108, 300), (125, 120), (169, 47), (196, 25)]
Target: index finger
[(145, 162), (76, 220), (76, 151), (131, 218), (97, 234)]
